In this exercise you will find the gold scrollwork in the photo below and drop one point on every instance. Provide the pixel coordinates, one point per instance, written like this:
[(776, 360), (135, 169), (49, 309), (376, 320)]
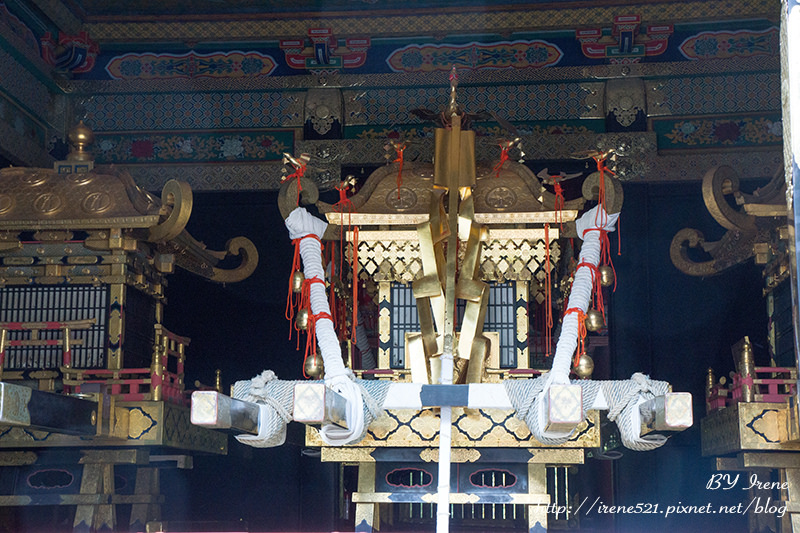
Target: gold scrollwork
[(176, 195), (761, 213), (238, 246)]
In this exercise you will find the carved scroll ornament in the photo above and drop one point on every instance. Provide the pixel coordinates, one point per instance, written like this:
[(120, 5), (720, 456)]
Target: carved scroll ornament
[(751, 223)]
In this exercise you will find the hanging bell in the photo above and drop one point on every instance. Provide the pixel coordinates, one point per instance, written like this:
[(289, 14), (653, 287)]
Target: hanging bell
[(302, 319), (297, 281), (313, 367), (585, 367), (594, 320), (606, 276)]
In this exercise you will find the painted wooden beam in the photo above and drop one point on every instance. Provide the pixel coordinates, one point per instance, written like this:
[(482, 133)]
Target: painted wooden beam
[(46, 411)]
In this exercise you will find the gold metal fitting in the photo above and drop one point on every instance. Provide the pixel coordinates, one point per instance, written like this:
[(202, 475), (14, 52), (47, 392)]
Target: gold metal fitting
[(302, 319), (606, 276), (585, 367), (313, 367), (594, 320), (297, 281)]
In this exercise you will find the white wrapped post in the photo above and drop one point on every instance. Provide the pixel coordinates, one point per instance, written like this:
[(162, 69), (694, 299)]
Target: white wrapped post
[(563, 404), (300, 224)]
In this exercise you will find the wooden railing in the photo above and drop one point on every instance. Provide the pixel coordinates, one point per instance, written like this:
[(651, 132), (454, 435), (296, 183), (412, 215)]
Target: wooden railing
[(163, 380), (34, 329)]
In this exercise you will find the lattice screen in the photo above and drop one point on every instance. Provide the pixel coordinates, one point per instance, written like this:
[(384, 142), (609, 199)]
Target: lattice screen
[(500, 317), (54, 304)]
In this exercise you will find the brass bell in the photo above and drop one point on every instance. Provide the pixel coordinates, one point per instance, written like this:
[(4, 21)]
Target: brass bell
[(606, 276), (313, 367), (302, 319), (297, 281), (594, 320), (585, 367)]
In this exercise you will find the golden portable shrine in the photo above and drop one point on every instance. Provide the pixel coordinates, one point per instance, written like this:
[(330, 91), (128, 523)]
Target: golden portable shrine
[(484, 346), (87, 367), (457, 413)]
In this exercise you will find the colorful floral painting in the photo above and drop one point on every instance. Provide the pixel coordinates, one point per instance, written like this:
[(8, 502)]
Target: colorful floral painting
[(719, 132), (192, 147), (727, 44), (190, 65), (500, 55)]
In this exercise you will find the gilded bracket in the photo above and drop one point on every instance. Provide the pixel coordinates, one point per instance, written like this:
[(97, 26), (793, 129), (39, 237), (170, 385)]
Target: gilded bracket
[(238, 246), (176, 204), (288, 197), (758, 215)]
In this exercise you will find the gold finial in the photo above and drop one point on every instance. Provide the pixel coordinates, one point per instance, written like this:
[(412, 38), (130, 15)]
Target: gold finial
[(80, 138), (452, 108)]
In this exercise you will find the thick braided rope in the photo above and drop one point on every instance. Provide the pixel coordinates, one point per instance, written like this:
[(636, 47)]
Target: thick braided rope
[(528, 398), (581, 293), (624, 398), (579, 298), (275, 399), (374, 394), (339, 378)]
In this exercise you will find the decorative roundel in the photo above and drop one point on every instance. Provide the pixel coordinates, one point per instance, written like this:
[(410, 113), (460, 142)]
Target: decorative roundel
[(401, 199), (6, 203), (501, 198), (48, 203), (96, 202), (79, 178), (32, 179)]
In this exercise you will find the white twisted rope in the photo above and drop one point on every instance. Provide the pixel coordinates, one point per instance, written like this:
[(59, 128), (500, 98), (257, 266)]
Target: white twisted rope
[(579, 297), (622, 398), (337, 377), (581, 293), (275, 399)]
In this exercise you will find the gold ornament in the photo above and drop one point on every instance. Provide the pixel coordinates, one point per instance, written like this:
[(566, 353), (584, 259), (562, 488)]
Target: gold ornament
[(80, 137), (606, 276), (594, 320), (313, 367), (302, 319), (585, 367), (297, 281)]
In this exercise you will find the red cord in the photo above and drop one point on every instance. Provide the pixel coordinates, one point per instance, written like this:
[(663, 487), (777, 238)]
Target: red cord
[(399, 149), (503, 158), (548, 295), (597, 289), (298, 173), (559, 202), (581, 332)]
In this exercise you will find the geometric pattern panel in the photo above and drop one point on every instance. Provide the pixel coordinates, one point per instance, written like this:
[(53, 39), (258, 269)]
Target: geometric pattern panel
[(512, 102), (382, 21), (23, 86), (501, 259), (722, 94), (471, 428), (185, 111)]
